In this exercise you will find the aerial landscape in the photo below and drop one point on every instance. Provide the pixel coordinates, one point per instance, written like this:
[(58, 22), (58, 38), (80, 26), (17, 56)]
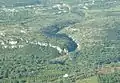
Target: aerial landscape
[(59, 41)]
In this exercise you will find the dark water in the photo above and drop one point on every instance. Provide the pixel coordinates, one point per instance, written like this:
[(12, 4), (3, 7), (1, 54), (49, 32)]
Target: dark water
[(51, 32)]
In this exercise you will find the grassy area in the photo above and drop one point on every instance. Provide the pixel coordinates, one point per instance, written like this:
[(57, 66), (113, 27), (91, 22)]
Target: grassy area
[(88, 80)]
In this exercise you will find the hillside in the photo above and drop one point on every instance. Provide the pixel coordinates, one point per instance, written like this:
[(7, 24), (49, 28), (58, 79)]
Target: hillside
[(58, 42)]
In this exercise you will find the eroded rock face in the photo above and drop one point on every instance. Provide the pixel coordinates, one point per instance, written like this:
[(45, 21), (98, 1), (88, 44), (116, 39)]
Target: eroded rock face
[(52, 32), (61, 8)]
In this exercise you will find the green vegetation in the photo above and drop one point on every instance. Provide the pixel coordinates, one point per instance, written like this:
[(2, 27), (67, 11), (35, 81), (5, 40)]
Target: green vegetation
[(110, 78), (97, 34), (109, 74), (12, 3), (88, 80)]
